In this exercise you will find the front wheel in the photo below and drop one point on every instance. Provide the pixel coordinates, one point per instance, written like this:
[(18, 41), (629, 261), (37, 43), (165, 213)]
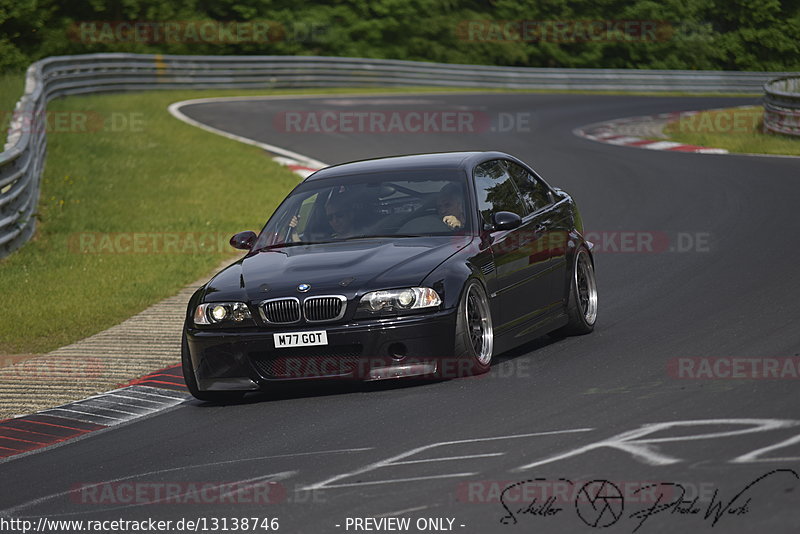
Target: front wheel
[(581, 306), (191, 381), (474, 340)]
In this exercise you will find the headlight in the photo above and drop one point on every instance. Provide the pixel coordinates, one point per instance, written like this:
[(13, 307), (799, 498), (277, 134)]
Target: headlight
[(222, 312), (397, 301)]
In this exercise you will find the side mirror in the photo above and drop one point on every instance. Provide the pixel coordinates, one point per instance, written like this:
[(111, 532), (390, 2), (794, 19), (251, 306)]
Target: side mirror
[(244, 240), (505, 220)]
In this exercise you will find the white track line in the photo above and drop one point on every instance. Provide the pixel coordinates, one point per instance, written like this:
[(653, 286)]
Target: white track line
[(390, 462), (302, 160)]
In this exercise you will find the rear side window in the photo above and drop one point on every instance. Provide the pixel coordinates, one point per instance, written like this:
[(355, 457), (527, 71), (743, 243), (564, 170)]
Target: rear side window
[(534, 193), (495, 190)]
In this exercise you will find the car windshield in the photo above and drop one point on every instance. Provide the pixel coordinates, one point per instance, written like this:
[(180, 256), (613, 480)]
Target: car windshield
[(412, 203)]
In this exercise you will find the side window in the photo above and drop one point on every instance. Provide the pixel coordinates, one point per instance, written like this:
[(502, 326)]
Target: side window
[(495, 190), (533, 191)]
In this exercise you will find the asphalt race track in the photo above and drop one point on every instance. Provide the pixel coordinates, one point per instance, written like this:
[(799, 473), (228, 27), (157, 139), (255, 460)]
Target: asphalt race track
[(709, 272)]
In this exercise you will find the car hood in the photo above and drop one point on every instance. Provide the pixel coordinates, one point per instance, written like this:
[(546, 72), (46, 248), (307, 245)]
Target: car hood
[(347, 267)]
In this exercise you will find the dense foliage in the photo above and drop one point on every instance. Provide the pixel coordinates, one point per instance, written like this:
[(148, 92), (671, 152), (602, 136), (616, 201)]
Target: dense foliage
[(689, 34)]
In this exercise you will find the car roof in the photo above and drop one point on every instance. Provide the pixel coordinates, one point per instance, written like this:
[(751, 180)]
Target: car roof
[(436, 160)]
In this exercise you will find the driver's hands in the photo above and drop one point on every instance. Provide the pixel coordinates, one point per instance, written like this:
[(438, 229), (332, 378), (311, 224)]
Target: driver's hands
[(293, 236), (452, 221)]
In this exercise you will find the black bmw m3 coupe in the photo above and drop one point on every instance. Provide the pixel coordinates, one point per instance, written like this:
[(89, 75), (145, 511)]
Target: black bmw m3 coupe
[(419, 265)]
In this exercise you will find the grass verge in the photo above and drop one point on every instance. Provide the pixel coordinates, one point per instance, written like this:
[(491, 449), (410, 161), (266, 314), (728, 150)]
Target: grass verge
[(123, 180), (739, 130)]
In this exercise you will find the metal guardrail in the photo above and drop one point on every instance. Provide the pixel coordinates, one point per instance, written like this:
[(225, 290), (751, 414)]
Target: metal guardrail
[(782, 105), (22, 162)]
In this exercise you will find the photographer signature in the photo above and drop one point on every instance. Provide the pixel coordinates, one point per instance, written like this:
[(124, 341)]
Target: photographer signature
[(600, 503)]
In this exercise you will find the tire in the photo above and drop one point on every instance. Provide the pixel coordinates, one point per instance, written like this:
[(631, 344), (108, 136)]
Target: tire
[(191, 381), (474, 336), (581, 305)]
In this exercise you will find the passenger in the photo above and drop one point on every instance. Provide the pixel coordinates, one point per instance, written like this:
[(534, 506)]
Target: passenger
[(338, 216)]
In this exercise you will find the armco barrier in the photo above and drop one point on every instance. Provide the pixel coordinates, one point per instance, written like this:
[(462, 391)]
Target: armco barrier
[(22, 161)]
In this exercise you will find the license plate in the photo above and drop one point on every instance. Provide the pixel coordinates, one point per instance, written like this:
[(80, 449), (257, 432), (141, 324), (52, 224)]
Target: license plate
[(300, 339)]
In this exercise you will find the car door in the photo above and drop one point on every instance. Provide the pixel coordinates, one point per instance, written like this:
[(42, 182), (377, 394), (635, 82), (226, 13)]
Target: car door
[(551, 222), (521, 292)]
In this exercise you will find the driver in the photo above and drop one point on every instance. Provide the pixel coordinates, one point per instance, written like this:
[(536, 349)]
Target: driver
[(450, 207), (340, 217)]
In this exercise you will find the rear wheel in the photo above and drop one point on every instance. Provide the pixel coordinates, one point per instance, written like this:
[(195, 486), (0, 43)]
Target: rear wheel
[(191, 380), (581, 304), (474, 340)]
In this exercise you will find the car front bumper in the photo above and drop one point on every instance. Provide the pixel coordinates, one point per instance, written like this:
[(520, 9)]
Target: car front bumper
[(373, 349)]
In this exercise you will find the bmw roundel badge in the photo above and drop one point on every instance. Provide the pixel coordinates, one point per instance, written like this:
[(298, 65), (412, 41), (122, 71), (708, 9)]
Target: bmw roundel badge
[(303, 287)]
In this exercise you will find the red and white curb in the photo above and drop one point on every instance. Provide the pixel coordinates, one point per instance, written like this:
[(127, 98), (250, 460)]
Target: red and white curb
[(296, 166), (145, 396), (610, 132)]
